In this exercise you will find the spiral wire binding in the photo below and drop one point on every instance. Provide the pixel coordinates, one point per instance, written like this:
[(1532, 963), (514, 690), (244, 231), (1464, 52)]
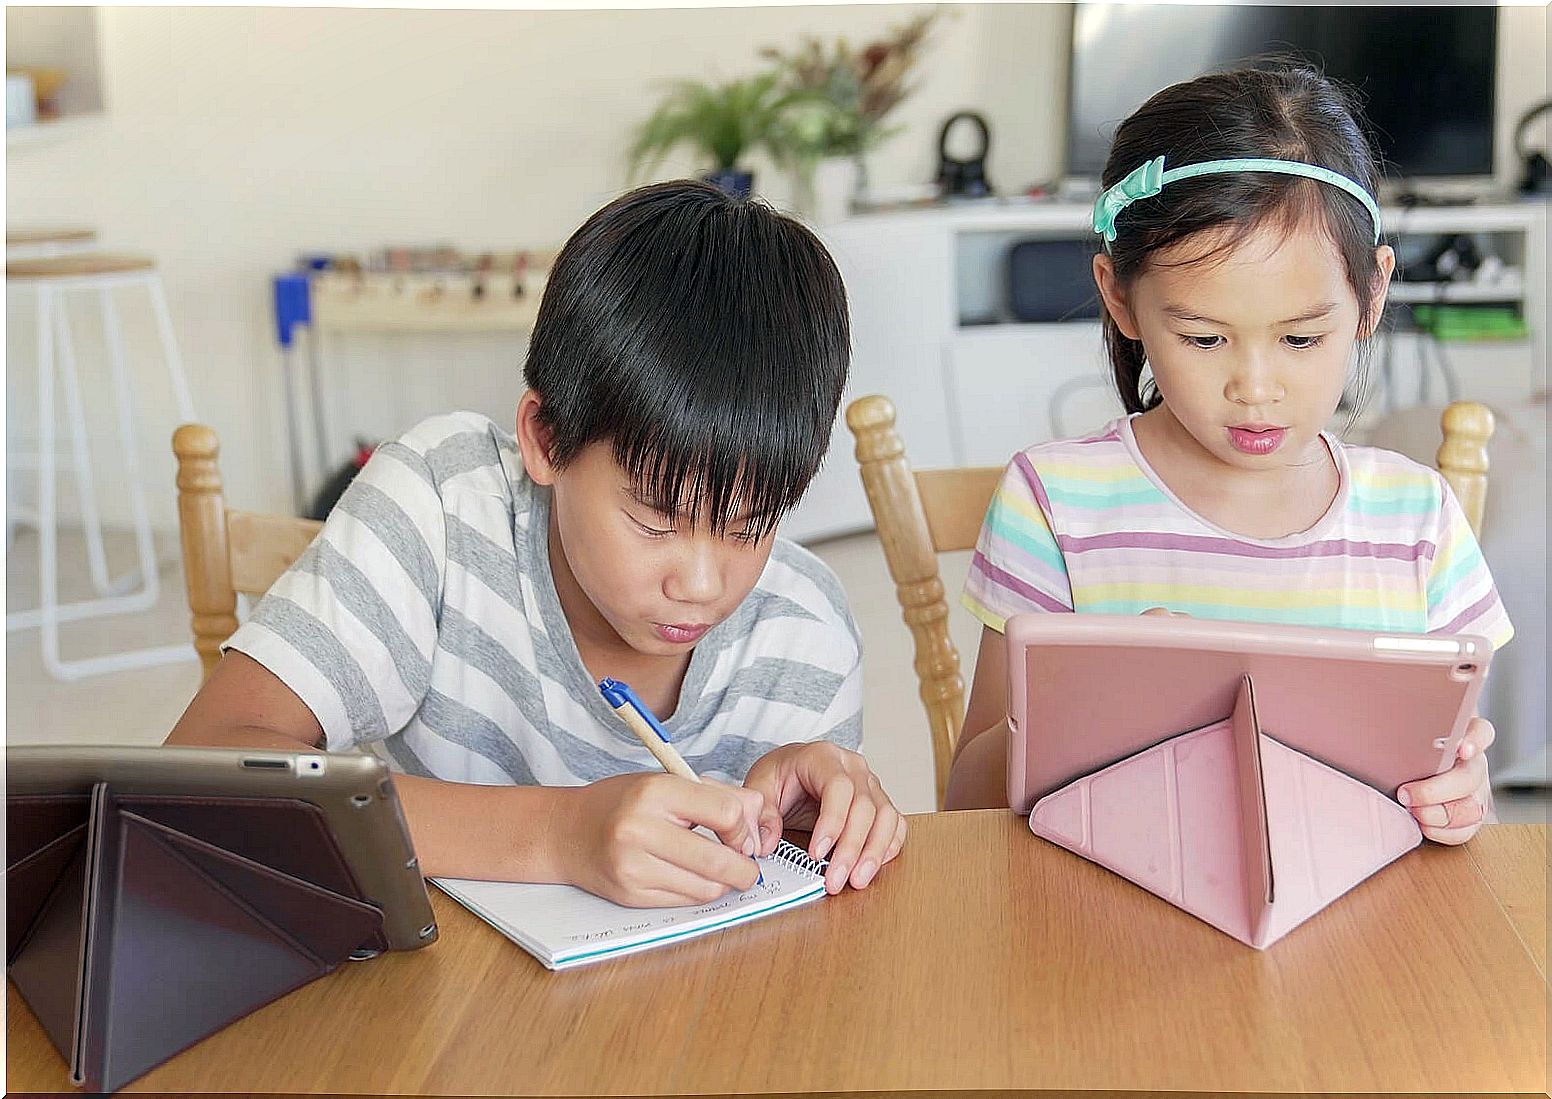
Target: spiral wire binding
[(793, 855)]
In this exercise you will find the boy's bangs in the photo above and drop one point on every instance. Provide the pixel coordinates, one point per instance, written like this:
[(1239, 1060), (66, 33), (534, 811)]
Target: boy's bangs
[(737, 468)]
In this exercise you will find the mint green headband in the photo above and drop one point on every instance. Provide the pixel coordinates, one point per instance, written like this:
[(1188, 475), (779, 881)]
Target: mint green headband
[(1151, 178)]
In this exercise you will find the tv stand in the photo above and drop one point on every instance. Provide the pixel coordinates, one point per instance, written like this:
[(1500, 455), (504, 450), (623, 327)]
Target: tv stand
[(1410, 200), (931, 330)]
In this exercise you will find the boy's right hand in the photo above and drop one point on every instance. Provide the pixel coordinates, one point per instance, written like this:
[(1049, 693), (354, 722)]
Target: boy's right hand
[(630, 840)]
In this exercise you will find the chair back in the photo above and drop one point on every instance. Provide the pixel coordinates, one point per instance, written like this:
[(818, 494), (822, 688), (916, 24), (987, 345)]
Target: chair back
[(225, 552)]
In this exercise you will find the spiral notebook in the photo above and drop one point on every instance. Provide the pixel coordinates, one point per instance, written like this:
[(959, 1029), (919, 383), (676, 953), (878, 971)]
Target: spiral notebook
[(565, 927)]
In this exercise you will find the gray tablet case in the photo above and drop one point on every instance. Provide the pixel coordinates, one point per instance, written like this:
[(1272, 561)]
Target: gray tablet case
[(139, 923)]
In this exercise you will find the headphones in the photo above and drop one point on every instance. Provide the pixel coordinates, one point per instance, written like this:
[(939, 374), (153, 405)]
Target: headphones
[(1536, 178), (963, 178)]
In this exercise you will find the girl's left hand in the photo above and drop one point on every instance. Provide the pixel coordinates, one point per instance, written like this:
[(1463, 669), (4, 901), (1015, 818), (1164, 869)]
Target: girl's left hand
[(1450, 807)]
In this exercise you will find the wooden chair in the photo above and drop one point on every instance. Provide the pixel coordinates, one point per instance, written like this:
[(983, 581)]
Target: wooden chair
[(922, 513), (225, 552)]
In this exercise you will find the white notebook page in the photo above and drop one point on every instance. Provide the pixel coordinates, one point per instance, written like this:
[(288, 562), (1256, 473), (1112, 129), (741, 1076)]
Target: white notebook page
[(563, 926)]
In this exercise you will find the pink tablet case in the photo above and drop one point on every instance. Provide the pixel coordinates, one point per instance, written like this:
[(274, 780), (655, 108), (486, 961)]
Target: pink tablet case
[(1234, 770)]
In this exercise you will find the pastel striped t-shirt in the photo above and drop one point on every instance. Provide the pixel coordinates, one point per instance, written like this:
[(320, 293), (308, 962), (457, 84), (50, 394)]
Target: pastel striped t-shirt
[(1086, 525)]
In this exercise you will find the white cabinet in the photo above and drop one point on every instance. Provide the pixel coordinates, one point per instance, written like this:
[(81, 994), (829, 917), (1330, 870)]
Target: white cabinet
[(899, 286), (922, 283), (1011, 386)]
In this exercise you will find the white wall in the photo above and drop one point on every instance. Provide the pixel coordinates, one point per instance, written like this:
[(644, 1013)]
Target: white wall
[(236, 138), (1522, 81)]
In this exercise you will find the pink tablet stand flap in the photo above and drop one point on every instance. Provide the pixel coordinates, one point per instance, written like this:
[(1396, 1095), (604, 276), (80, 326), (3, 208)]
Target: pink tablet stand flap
[(1231, 826)]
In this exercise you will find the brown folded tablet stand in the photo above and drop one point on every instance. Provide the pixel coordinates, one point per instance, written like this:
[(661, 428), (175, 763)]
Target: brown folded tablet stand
[(140, 924)]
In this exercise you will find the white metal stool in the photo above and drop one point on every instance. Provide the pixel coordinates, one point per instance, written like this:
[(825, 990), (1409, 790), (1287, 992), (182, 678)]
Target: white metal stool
[(51, 278), (33, 243)]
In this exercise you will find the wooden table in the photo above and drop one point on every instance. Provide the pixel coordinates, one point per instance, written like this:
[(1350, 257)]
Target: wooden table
[(983, 958)]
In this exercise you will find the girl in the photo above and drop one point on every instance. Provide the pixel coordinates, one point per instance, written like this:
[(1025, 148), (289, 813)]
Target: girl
[(1241, 268)]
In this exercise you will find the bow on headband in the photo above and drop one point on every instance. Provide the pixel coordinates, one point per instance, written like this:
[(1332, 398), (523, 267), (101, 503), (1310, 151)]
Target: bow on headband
[(1145, 182)]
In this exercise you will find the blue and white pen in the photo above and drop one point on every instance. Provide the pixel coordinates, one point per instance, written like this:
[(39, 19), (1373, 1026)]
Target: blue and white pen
[(640, 720)]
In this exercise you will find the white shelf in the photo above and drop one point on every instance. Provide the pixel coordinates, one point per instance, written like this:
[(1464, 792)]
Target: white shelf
[(424, 303), (985, 215), (1004, 330), (1046, 215), (1449, 293), (1401, 293), (46, 133), (1485, 218)]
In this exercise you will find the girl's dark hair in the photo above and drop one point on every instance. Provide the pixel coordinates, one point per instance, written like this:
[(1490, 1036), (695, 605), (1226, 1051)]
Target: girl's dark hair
[(706, 338), (1284, 110)]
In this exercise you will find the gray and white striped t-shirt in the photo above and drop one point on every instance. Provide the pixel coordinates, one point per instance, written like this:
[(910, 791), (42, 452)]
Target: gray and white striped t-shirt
[(423, 622)]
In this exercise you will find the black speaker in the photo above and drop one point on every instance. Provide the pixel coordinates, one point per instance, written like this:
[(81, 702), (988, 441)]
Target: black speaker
[(1536, 170), (964, 178), (1052, 280)]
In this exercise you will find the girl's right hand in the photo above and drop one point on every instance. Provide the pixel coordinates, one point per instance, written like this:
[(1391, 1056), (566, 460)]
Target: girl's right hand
[(629, 839), (1451, 807)]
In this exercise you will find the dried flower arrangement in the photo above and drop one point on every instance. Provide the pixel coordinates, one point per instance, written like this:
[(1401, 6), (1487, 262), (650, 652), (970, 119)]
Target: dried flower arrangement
[(855, 91)]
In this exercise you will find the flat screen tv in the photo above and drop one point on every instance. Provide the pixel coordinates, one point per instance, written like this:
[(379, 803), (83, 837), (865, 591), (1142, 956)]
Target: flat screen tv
[(1425, 75)]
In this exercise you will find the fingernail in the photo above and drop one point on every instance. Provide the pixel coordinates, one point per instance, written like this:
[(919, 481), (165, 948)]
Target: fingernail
[(765, 835), (1435, 816), (1468, 750), (865, 872), (838, 875), (1404, 796), (749, 845), (822, 847)]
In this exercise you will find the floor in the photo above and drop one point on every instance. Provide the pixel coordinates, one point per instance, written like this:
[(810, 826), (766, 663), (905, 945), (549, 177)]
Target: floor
[(133, 707), (139, 707)]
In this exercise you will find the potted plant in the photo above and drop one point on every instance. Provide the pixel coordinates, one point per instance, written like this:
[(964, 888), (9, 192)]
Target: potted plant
[(723, 122), (849, 94)]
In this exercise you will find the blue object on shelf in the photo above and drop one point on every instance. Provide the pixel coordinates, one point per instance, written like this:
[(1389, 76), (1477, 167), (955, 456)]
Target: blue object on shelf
[(737, 184), (293, 306)]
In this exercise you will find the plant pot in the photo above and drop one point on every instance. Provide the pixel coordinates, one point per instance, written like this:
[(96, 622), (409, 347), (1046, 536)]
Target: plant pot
[(736, 183), (836, 182)]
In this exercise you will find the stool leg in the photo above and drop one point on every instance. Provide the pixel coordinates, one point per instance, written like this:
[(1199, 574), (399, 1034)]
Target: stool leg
[(315, 374), (180, 385), (124, 402), (294, 432), (12, 511), (91, 519), (48, 548)]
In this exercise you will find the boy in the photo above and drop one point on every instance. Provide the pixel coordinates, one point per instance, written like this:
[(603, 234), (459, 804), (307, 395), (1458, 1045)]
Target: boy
[(472, 587)]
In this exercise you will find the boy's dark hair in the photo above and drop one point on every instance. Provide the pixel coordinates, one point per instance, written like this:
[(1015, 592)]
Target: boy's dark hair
[(1283, 110), (706, 338)]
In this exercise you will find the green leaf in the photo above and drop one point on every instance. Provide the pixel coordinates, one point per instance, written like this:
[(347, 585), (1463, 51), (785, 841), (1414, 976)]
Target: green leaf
[(722, 122)]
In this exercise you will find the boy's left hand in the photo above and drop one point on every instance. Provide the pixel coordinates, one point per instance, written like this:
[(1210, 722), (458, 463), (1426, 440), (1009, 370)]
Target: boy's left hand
[(832, 791), (1450, 807)]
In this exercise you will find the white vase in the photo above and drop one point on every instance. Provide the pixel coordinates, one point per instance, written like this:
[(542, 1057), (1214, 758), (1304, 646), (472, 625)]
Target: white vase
[(835, 188)]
